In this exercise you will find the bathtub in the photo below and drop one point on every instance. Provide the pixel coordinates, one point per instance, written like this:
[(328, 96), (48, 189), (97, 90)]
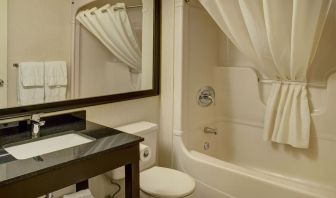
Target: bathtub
[(225, 177)]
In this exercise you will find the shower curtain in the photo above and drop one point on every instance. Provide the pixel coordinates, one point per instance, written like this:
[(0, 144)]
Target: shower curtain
[(281, 38), (111, 25)]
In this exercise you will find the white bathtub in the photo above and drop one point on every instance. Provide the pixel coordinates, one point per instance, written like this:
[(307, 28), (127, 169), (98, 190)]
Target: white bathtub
[(222, 179)]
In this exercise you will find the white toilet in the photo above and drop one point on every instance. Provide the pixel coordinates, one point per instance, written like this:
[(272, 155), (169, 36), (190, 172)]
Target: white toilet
[(155, 181)]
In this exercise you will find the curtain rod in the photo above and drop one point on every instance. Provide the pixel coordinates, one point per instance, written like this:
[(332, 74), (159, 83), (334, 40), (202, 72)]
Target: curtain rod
[(120, 8), (134, 6), (127, 7), (309, 84)]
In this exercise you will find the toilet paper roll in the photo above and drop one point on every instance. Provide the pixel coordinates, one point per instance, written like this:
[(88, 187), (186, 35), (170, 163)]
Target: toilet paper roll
[(145, 153)]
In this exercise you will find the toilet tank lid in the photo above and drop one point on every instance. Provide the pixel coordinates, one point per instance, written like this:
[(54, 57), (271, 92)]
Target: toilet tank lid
[(138, 127)]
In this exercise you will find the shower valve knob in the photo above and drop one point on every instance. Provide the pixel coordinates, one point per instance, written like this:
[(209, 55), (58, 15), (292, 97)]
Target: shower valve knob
[(206, 96)]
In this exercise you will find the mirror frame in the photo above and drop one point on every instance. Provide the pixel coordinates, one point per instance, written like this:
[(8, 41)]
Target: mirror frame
[(20, 111)]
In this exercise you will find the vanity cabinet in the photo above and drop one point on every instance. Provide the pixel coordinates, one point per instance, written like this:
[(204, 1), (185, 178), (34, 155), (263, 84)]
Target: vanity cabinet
[(33, 177)]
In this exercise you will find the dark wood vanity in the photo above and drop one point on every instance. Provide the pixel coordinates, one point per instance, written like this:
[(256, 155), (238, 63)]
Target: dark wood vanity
[(34, 177)]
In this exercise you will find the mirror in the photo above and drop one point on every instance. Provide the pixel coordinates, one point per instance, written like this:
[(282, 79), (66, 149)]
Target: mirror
[(64, 50)]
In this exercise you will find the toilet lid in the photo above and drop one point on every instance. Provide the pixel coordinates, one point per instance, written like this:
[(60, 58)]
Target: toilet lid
[(165, 182)]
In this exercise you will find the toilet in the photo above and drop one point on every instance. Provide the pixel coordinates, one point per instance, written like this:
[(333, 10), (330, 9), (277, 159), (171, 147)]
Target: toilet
[(155, 181), (165, 182)]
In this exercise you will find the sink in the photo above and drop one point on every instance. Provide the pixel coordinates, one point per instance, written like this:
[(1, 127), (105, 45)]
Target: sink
[(44, 146)]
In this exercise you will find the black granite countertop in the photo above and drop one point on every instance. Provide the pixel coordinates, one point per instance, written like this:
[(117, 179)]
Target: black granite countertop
[(105, 139)]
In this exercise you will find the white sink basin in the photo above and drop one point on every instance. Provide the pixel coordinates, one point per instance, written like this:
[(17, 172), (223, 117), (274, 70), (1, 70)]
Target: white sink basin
[(33, 149)]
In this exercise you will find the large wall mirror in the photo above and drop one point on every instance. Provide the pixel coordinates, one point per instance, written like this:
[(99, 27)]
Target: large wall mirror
[(58, 54)]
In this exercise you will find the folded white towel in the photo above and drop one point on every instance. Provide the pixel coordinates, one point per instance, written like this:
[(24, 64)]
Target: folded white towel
[(30, 83), (56, 73), (31, 74), (56, 81), (81, 194), (54, 94)]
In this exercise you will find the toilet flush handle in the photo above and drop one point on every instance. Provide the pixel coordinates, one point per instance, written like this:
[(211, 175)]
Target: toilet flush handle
[(146, 153)]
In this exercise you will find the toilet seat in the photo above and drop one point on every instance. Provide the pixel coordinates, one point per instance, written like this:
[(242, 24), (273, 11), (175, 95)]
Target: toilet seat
[(165, 182)]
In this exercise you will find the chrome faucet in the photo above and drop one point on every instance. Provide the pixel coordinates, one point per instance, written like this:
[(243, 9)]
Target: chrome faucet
[(36, 124)]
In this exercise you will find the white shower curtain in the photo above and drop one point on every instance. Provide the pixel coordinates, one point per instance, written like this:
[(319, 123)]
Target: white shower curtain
[(111, 25), (281, 38)]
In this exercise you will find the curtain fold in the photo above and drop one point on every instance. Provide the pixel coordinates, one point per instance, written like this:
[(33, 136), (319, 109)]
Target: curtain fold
[(281, 38), (111, 25)]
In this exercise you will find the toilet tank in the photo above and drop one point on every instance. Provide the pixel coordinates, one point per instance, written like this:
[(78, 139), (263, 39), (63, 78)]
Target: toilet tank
[(149, 132)]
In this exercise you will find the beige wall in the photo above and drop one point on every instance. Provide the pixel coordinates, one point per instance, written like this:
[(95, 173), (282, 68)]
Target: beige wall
[(38, 30), (167, 85), (3, 54), (120, 113)]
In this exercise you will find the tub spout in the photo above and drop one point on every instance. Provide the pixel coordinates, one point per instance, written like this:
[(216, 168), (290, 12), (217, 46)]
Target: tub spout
[(210, 130)]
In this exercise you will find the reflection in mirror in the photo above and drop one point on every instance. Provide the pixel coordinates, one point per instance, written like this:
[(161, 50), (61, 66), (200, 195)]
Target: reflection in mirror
[(56, 50)]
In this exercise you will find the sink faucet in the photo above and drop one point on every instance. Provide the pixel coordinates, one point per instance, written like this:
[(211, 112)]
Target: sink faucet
[(36, 123)]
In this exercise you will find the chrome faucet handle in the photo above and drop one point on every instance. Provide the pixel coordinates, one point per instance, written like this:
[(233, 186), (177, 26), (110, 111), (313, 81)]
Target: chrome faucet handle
[(42, 122), (212, 99), (39, 123), (206, 96)]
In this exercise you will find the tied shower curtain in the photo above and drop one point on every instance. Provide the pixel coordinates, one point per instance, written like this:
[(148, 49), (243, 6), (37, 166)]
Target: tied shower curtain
[(281, 38), (111, 25)]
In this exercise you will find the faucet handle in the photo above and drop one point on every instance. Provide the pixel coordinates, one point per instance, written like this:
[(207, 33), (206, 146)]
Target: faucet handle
[(38, 122), (41, 122), (206, 96)]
